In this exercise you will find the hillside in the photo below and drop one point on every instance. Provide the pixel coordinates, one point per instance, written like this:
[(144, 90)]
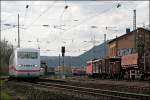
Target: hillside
[(79, 61)]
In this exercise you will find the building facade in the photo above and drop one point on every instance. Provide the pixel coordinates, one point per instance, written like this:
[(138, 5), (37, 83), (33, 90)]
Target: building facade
[(131, 48), (137, 41)]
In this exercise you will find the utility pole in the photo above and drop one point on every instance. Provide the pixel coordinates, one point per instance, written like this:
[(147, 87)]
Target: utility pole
[(93, 41), (94, 47), (59, 60), (59, 65), (18, 33), (38, 44), (134, 19), (149, 16), (134, 28), (104, 45)]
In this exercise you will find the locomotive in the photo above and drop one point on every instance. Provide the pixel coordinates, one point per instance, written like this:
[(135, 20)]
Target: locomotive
[(24, 63)]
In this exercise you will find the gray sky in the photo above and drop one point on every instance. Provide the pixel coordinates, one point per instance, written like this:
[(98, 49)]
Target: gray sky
[(69, 27)]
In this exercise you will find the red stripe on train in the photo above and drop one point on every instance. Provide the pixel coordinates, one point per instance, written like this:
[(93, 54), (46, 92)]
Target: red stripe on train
[(27, 70)]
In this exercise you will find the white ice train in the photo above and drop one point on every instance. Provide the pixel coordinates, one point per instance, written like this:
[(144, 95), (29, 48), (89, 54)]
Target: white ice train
[(25, 63)]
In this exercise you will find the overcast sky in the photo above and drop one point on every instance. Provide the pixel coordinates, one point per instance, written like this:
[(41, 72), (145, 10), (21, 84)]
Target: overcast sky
[(53, 24)]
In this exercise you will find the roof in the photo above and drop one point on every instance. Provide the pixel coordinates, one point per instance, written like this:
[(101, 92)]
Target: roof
[(128, 34), (27, 49)]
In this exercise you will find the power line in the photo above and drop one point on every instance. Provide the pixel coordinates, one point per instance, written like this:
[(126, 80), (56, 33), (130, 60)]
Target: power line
[(41, 15), (7, 28), (74, 4), (27, 6), (11, 28), (86, 20)]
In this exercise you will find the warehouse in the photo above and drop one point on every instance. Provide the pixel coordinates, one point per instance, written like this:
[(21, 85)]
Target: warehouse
[(133, 49)]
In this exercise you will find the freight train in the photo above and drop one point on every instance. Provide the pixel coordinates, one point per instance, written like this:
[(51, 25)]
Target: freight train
[(25, 63), (127, 67), (104, 68)]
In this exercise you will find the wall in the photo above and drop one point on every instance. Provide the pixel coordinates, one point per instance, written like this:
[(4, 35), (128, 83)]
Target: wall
[(125, 45), (112, 49), (121, 46)]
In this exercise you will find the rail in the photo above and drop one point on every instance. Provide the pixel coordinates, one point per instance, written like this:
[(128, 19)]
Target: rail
[(99, 92)]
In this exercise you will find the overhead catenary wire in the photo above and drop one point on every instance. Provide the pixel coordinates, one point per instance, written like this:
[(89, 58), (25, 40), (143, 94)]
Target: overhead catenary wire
[(61, 19), (11, 28), (88, 19), (25, 15), (6, 28), (61, 16), (32, 25), (91, 17), (71, 5), (40, 15), (95, 15)]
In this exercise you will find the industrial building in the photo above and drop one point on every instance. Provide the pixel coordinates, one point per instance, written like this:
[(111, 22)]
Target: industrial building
[(134, 50)]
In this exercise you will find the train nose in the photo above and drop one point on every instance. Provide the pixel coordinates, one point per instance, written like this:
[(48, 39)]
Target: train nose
[(28, 74)]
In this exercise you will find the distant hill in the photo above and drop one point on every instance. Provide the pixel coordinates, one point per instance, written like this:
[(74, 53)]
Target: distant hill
[(78, 61)]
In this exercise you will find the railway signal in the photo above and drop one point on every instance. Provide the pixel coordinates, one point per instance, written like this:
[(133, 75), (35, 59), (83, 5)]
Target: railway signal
[(63, 50), (63, 54)]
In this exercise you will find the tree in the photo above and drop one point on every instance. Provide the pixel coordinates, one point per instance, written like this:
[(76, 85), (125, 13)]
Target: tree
[(5, 52)]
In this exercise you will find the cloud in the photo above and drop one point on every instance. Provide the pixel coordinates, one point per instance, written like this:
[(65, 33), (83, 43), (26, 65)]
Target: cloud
[(76, 21)]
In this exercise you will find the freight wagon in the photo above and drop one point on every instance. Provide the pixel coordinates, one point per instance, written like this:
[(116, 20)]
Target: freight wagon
[(135, 66), (131, 66), (104, 68), (78, 72), (89, 68)]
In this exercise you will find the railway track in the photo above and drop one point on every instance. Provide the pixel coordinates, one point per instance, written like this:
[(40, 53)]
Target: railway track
[(104, 94), (63, 85), (114, 87), (113, 95)]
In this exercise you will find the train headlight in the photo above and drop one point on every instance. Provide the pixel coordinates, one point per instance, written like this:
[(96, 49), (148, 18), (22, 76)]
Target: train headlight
[(19, 65), (35, 65)]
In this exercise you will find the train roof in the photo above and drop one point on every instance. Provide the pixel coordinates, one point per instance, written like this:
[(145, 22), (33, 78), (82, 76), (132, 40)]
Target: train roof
[(101, 59), (95, 60), (26, 49)]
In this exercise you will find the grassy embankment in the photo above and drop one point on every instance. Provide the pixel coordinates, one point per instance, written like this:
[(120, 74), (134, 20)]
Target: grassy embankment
[(4, 95)]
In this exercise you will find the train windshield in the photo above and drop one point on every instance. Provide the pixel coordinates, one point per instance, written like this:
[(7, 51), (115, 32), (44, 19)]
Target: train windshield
[(27, 55)]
